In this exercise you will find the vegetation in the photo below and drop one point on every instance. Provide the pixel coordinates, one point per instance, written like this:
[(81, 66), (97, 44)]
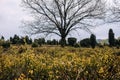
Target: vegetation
[(34, 44), (72, 41), (93, 41), (5, 44), (111, 38), (85, 42), (61, 17), (56, 63), (24, 59)]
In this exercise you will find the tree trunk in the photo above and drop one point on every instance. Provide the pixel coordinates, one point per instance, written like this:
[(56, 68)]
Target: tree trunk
[(63, 42)]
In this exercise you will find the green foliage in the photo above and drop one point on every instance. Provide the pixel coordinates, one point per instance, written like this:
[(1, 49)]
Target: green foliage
[(72, 41), (85, 42), (77, 45), (34, 44), (15, 39), (2, 38), (111, 38), (38, 41), (49, 42), (93, 40), (28, 40), (117, 42), (21, 41), (52, 42), (5, 44), (43, 40)]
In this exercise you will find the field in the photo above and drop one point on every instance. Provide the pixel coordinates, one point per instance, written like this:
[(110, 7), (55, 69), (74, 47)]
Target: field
[(56, 63)]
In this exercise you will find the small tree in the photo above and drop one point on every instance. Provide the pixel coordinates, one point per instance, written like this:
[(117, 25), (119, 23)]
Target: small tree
[(54, 42), (72, 41), (34, 44), (6, 44), (28, 40), (93, 40), (21, 41), (49, 42), (111, 38), (43, 40), (15, 39), (85, 42), (2, 38)]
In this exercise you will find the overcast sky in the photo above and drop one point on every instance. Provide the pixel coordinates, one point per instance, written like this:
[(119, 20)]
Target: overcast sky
[(11, 15)]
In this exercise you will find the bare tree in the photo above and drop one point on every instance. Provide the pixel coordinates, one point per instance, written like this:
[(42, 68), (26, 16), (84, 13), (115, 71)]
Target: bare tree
[(113, 12), (61, 17)]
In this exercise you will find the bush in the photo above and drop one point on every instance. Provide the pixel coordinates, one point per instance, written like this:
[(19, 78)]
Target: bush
[(34, 44), (6, 44), (77, 45), (100, 45), (72, 41), (85, 42), (54, 42)]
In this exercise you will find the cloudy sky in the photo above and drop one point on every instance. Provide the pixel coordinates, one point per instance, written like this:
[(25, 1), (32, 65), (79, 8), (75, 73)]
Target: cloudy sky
[(11, 15)]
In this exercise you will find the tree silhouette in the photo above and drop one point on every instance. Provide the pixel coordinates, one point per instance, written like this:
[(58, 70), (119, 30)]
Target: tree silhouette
[(111, 38), (61, 17), (93, 40)]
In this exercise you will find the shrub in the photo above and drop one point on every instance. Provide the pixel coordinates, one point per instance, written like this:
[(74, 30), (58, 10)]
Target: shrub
[(38, 41), (85, 42), (100, 45), (77, 45), (49, 42), (54, 42), (72, 41), (34, 44), (6, 44)]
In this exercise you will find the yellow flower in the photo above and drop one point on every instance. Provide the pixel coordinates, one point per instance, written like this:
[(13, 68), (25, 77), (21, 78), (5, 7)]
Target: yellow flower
[(31, 71), (101, 70)]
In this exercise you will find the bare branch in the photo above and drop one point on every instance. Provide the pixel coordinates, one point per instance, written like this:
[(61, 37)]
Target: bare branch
[(62, 16)]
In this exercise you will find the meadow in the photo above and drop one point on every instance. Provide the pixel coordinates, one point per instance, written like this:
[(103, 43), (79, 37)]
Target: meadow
[(22, 62)]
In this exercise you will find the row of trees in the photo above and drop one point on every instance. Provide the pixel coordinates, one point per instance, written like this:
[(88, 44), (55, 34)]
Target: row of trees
[(87, 42)]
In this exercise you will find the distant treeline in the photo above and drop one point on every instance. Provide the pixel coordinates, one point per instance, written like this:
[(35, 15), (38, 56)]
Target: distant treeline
[(71, 41)]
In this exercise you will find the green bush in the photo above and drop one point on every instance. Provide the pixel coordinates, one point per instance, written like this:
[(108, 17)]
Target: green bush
[(77, 45), (6, 44), (34, 44), (72, 41), (85, 42)]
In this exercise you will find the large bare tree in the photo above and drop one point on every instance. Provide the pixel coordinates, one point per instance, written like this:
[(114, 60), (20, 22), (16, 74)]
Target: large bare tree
[(61, 17)]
